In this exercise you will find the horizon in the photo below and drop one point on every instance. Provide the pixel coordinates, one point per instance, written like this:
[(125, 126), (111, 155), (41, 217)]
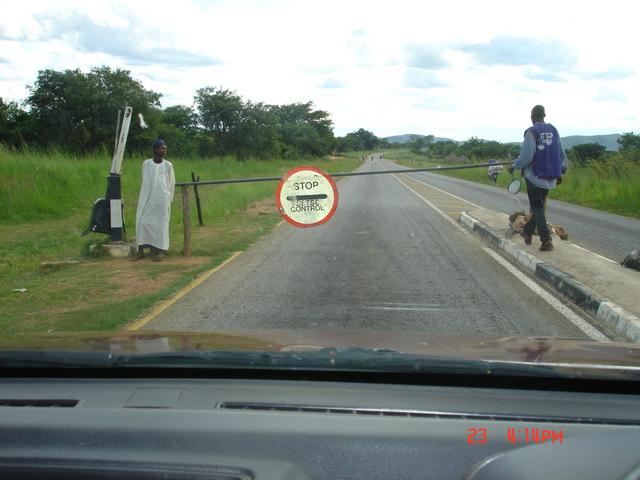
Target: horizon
[(489, 139)]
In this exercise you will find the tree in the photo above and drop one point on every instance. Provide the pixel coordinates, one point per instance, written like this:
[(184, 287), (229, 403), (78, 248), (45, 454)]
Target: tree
[(443, 149), (359, 140), (369, 140), (630, 146), (628, 141), (484, 149), (258, 132), (587, 151), (219, 113), (348, 143), (421, 144), (182, 117), (16, 125), (179, 127), (304, 130), (77, 111)]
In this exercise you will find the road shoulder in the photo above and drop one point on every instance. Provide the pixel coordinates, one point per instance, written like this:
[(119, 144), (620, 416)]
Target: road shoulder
[(596, 284)]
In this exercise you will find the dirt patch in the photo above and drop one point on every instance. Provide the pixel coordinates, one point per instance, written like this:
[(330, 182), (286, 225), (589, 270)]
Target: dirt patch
[(263, 207), (133, 278)]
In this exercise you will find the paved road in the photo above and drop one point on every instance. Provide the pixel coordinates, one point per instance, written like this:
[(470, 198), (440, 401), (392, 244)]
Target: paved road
[(612, 236), (385, 261)]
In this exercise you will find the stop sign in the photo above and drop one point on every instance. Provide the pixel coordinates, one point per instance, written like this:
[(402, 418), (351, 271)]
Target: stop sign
[(307, 197)]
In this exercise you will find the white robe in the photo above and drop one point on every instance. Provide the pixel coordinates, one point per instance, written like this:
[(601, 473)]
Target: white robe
[(154, 204)]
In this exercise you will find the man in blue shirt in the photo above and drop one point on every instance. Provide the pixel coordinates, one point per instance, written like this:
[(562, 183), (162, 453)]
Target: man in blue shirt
[(542, 162)]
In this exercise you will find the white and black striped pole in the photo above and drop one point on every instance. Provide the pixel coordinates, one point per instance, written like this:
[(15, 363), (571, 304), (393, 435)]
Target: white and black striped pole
[(114, 189)]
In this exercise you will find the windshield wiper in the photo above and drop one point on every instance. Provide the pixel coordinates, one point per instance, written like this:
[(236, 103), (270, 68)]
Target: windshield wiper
[(328, 359)]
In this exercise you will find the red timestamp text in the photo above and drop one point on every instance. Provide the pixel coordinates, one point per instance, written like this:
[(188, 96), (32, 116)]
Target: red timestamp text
[(518, 435)]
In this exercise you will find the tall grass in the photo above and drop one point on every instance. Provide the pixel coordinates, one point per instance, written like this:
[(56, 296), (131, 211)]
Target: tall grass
[(37, 186), (612, 185)]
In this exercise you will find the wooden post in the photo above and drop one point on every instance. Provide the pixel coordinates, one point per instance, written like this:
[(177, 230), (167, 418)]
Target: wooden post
[(186, 220)]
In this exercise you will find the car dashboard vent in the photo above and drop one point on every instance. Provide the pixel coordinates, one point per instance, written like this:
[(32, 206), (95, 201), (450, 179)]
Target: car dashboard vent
[(37, 403), (283, 407)]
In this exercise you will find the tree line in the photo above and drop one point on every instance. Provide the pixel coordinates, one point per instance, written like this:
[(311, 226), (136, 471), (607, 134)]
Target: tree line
[(629, 150), (477, 149), (76, 112), (474, 148)]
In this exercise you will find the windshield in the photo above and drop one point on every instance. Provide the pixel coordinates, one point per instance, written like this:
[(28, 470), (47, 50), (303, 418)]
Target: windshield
[(400, 182)]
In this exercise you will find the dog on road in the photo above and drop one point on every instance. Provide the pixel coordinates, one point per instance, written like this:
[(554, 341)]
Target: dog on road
[(518, 220)]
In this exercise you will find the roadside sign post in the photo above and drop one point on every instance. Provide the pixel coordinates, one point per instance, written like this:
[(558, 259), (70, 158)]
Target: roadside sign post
[(307, 197)]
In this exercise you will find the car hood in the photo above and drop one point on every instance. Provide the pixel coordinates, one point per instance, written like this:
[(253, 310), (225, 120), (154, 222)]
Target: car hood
[(540, 350)]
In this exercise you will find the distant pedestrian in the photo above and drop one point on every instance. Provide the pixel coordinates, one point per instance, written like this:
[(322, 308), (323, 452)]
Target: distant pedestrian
[(493, 171), (542, 162), (154, 203)]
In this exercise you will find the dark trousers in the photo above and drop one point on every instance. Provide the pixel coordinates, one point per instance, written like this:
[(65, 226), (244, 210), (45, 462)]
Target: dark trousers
[(537, 202)]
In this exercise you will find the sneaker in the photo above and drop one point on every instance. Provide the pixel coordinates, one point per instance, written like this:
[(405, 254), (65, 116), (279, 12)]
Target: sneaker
[(546, 246), (158, 257), (527, 238)]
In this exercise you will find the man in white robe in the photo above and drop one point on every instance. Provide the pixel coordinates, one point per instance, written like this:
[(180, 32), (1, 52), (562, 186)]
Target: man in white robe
[(154, 204)]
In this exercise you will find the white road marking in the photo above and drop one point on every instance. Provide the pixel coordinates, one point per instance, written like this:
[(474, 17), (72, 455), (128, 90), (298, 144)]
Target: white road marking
[(396, 304), (443, 191), (411, 309), (574, 318), (550, 299), (444, 215)]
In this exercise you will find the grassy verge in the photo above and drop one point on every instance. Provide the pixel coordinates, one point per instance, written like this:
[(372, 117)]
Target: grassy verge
[(613, 186), (45, 203)]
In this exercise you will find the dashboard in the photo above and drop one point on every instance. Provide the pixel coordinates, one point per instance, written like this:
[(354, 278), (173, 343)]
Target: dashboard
[(258, 428)]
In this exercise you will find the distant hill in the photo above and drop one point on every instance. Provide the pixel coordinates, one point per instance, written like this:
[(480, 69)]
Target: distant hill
[(608, 141), (407, 138)]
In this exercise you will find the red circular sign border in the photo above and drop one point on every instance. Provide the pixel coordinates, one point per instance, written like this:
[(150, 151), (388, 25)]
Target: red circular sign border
[(291, 220)]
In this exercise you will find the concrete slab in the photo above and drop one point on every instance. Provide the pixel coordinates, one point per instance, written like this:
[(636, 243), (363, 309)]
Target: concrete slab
[(120, 249)]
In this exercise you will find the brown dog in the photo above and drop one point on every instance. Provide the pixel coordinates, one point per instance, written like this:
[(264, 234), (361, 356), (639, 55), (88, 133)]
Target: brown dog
[(517, 221)]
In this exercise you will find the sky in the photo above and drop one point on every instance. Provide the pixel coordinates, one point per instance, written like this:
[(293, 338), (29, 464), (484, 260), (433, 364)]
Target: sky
[(452, 69)]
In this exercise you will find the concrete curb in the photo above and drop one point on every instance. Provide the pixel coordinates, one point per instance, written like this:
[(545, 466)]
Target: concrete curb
[(610, 314)]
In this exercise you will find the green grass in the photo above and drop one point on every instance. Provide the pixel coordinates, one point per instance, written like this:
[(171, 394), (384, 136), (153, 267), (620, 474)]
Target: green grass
[(613, 186), (36, 186), (45, 202)]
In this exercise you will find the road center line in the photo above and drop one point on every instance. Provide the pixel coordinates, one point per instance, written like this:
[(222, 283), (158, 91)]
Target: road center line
[(574, 318)]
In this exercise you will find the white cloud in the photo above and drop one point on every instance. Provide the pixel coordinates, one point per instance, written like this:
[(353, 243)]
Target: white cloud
[(425, 57), (456, 68), (546, 53), (332, 83), (419, 78), (614, 73)]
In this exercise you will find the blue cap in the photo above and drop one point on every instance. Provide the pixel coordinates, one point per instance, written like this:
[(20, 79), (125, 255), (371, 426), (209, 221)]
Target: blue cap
[(158, 143)]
